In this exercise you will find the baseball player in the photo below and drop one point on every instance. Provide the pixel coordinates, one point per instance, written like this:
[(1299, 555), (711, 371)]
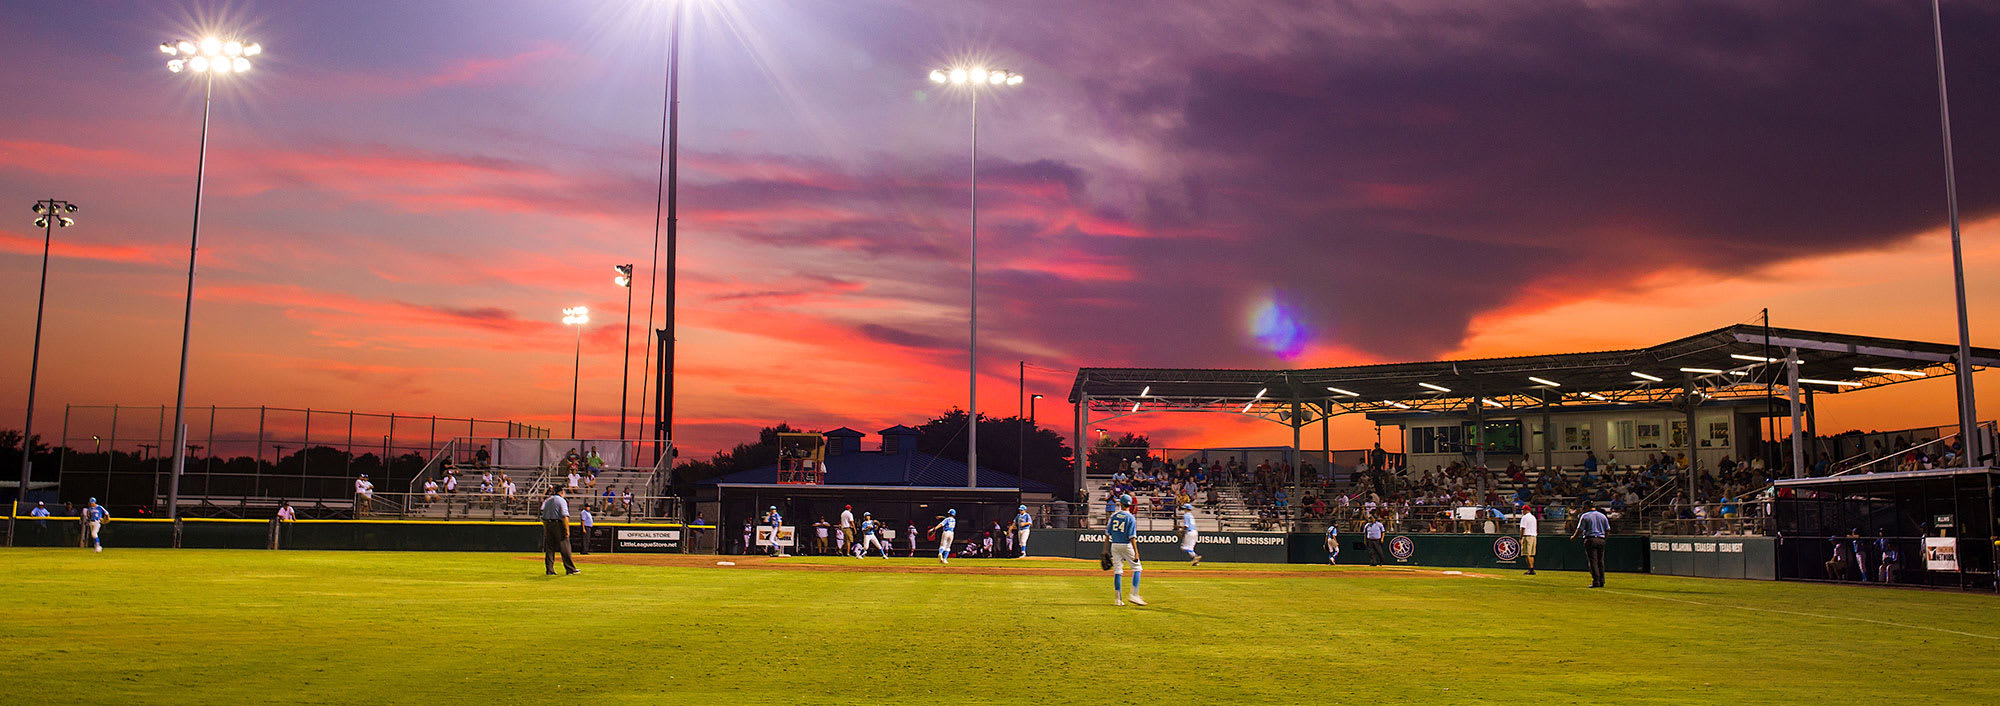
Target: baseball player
[(871, 535), (1022, 523), (772, 518), (1332, 543), (1121, 537), (1189, 535), (946, 527), (94, 518), (1530, 533)]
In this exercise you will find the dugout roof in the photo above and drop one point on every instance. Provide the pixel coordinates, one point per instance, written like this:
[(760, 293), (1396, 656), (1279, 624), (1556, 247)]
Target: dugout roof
[(1732, 362)]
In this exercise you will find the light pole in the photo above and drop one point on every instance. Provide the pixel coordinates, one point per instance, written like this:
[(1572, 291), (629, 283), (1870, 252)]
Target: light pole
[(1021, 444), (624, 279), (209, 57), (972, 80), (50, 214), (575, 316), (1968, 409), (666, 197)]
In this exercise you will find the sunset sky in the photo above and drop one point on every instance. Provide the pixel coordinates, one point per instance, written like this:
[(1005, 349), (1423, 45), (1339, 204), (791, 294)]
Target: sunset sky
[(404, 194)]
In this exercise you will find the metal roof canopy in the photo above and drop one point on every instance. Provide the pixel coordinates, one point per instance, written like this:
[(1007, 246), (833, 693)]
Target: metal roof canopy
[(1732, 362), (1875, 482)]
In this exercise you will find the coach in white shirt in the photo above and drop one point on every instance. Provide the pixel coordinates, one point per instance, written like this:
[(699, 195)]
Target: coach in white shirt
[(847, 529), (1531, 527)]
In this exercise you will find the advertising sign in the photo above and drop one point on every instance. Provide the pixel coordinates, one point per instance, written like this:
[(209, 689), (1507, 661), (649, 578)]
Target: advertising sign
[(786, 536), (638, 540), (1941, 553)]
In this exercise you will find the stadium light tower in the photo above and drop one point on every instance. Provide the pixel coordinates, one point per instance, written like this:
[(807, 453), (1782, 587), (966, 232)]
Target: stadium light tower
[(207, 58), (1968, 407), (972, 80), (575, 316), (49, 215), (624, 279)]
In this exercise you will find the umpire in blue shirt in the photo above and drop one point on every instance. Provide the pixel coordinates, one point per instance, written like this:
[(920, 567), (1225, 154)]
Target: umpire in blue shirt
[(1593, 526), (555, 532)]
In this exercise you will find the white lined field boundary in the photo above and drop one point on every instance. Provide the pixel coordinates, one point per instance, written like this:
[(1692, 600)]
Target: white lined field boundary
[(1807, 615)]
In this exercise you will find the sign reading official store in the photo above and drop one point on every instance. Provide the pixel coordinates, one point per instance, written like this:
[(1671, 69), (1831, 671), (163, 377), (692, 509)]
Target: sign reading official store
[(636, 540)]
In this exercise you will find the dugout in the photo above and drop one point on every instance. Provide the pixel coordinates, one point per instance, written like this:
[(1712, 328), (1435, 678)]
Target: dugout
[(1938, 526), (730, 504)]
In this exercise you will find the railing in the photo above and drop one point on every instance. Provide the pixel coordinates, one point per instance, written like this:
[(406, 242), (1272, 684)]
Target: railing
[(497, 506)]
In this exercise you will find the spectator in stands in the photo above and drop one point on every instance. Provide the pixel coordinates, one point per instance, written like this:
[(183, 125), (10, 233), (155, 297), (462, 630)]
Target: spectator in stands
[(574, 481), (430, 491), (594, 462), (450, 484), (364, 494), (482, 458), (286, 513), (627, 500), (41, 515)]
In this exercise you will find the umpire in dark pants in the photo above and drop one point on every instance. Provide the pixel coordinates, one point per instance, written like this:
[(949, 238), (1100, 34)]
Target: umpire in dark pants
[(1593, 526), (1373, 532), (555, 532)]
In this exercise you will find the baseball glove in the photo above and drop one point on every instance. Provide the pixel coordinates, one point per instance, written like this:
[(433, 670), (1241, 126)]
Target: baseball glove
[(1104, 560)]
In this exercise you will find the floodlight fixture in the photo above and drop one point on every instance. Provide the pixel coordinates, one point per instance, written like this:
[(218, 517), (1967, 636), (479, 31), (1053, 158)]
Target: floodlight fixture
[(1891, 371), (1339, 391), (1544, 381), (1836, 383), (1648, 378), (1439, 388)]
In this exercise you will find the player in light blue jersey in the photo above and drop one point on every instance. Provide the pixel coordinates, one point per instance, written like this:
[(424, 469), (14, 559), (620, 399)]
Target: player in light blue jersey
[(1189, 535), (1121, 538), (1332, 543), (776, 521), (1022, 523), (944, 529), (871, 536), (94, 516)]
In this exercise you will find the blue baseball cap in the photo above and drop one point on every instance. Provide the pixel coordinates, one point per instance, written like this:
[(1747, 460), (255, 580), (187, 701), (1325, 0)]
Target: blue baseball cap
[(93, 501), (952, 512), (1023, 508), (1124, 499), (1187, 506)]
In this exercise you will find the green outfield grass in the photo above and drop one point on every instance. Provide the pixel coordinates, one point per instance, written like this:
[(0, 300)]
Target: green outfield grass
[(230, 627)]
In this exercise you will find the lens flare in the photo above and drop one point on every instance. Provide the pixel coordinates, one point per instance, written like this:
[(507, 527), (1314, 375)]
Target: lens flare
[(1276, 328)]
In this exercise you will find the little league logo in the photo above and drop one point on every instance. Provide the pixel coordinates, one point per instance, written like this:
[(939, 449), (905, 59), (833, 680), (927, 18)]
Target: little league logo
[(1507, 548), (1402, 548)]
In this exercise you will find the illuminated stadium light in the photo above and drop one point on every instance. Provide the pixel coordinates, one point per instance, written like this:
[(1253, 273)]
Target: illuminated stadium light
[(576, 316), (1337, 390), (624, 277), (1246, 407), (207, 57), (1648, 378), (1596, 396), (1545, 381), (1491, 403), (1837, 383), (1260, 394), (1755, 358), (1439, 388), (1399, 405), (210, 56), (1148, 390), (1892, 371), (975, 76), (1135, 406), (1713, 371)]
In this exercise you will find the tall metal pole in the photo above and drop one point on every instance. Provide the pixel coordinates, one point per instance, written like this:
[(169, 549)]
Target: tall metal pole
[(664, 428), (49, 221), (1020, 430), (1968, 409), (972, 346), (625, 368), (575, 380), (668, 129), (187, 314)]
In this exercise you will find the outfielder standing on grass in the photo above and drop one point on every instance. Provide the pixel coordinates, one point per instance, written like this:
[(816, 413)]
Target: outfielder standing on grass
[(1022, 523), (94, 517), (1121, 543), (1189, 535), (944, 529)]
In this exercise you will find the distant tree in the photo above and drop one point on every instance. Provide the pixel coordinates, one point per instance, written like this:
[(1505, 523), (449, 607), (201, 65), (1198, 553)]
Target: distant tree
[(1038, 454), (763, 452), (1109, 455)]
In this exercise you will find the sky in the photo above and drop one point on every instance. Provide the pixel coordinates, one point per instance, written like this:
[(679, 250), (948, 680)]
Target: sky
[(402, 196)]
